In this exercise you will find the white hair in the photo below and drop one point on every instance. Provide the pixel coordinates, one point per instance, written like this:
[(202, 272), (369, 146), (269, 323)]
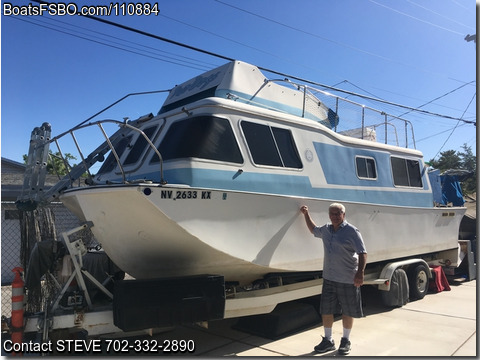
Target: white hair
[(337, 206)]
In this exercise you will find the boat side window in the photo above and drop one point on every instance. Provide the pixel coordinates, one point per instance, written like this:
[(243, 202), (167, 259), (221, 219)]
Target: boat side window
[(271, 146), (205, 137), (287, 149), (366, 168), (140, 144), (414, 173), (111, 162), (406, 172)]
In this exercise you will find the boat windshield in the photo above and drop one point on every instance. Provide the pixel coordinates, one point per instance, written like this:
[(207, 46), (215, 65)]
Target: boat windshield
[(205, 137), (111, 162)]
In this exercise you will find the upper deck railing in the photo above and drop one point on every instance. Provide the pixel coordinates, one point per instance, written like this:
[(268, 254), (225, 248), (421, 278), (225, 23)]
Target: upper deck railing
[(358, 120)]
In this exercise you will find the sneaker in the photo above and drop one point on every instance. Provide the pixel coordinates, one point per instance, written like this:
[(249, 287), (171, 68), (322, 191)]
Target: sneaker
[(325, 345), (345, 345)]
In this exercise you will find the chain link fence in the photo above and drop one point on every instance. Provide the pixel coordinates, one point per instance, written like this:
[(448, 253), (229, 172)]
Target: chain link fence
[(11, 244)]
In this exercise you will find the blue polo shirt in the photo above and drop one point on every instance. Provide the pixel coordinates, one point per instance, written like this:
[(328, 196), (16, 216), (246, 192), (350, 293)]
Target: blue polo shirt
[(341, 249)]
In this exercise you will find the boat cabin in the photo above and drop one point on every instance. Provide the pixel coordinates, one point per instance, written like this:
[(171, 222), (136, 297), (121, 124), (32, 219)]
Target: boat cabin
[(233, 129)]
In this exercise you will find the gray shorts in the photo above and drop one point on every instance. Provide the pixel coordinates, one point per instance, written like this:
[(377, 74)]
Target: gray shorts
[(341, 298)]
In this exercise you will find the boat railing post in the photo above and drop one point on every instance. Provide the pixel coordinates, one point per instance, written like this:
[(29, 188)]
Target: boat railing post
[(336, 112), (81, 154), (386, 132), (64, 160), (304, 100), (413, 134), (396, 134), (363, 120), (407, 122), (152, 145), (113, 151)]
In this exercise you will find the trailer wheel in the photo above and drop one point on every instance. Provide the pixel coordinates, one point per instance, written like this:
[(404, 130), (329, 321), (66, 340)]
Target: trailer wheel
[(418, 282), (398, 294)]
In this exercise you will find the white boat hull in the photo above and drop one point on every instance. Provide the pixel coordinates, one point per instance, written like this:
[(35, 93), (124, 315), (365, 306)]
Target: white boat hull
[(153, 231)]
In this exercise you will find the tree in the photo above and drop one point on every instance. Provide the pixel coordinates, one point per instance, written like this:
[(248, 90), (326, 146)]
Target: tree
[(55, 164), (469, 162), (448, 160), (458, 160)]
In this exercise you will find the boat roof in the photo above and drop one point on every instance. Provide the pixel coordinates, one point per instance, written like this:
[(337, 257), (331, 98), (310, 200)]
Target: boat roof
[(245, 83)]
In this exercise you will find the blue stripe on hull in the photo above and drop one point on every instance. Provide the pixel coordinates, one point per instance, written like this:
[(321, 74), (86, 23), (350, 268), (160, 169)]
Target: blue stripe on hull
[(291, 185)]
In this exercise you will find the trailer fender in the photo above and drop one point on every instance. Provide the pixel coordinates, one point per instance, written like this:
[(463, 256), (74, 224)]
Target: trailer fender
[(388, 270)]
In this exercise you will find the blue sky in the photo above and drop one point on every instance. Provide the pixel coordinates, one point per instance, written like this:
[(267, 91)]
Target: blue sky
[(63, 69)]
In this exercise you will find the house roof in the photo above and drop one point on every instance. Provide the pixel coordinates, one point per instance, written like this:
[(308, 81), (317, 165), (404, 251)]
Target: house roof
[(13, 164), (12, 176)]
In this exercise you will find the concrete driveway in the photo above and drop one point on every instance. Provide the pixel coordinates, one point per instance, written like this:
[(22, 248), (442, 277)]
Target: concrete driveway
[(441, 324)]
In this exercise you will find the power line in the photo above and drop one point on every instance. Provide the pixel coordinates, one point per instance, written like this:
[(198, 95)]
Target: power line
[(448, 93), (414, 98), (358, 87), (239, 43), (141, 32), (217, 35), (439, 133), (443, 16), (461, 5), (473, 97), (415, 18), (135, 51), (330, 40), (142, 53), (157, 37), (131, 42), (309, 33)]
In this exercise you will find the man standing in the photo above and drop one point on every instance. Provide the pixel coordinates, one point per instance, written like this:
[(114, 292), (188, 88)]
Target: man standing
[(345, 257)]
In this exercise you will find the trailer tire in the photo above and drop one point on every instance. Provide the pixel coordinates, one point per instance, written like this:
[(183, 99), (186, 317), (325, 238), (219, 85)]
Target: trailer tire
[(418, 281), (398, 294)]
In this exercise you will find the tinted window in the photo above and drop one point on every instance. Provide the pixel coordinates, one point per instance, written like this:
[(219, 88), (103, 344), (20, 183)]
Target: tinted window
[(414, 174), (285, 144), (111, 162), (366, 168), (203, 137), (406, 172), (139, 146), (261, 144), (271, 146)]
